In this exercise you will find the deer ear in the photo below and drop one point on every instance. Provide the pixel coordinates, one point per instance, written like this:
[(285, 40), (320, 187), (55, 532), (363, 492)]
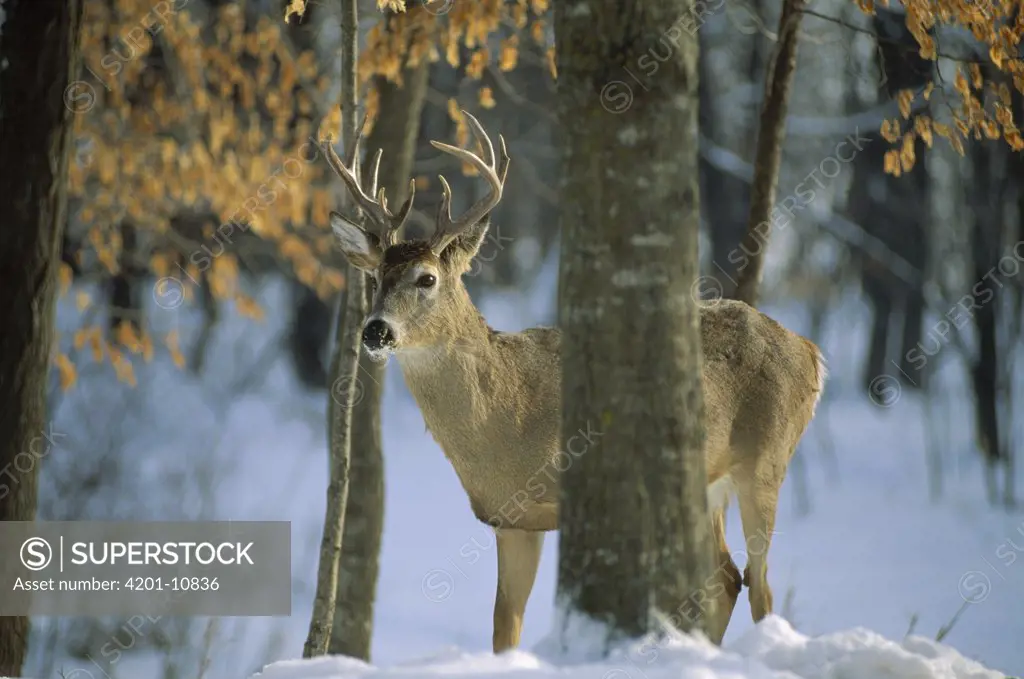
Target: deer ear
[(361, 249), (460, 252)]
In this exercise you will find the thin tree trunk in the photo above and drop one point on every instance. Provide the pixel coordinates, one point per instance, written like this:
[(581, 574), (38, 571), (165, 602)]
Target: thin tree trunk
[(395, 133), (723, 195), (933, 446), (889, 209), (39, 55), (634, 522), (768, 156), (344, 382), (125, 302), (985, 238), (312, 318)]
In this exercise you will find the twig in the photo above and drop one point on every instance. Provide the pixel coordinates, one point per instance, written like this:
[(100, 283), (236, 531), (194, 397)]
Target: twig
[(893, 41)]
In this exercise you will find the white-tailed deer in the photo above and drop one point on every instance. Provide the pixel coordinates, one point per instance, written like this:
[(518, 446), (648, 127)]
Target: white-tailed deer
[(492, 400)]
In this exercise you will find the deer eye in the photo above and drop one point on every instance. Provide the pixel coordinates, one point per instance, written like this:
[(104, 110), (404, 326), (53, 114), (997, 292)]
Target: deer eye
[(427, 280)]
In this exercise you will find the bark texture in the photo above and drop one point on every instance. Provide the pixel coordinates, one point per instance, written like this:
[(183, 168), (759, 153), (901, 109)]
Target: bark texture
[(770, 135), (395, 132), (343, 388), (633, 518), (39, 50)]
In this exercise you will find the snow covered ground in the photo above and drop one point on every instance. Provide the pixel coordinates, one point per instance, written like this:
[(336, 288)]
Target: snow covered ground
[(771, 651), (867, 551)]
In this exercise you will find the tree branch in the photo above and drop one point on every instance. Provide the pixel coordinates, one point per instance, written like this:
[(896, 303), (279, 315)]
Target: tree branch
[(895, 42), (768, 159)]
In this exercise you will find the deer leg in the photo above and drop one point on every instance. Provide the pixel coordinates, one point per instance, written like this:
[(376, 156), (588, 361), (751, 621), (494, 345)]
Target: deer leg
[(518, 558), (758, 502), (726, 578)]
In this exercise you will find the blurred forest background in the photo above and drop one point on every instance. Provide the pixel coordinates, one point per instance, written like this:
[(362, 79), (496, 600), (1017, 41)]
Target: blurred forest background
[(199, 273)]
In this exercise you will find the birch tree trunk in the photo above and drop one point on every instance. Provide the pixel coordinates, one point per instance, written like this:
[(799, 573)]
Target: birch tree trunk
[(395, 132), (634, 520), (768, 155), (344, 382), (39, 52)]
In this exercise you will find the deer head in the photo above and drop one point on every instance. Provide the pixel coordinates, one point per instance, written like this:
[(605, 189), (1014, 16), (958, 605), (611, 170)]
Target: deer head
[(418, 291)]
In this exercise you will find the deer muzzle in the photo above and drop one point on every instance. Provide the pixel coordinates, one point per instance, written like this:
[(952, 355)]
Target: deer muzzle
[(378, 335)]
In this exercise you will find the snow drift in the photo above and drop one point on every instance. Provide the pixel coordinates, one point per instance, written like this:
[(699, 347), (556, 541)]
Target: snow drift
[(771, 650)]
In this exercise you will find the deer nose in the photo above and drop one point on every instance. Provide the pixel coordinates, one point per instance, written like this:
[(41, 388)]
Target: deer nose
[(377, 334)]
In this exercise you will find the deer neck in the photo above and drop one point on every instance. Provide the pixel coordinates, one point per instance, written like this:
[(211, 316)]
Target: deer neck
[(453, 382), (457, 383), (442, 375)]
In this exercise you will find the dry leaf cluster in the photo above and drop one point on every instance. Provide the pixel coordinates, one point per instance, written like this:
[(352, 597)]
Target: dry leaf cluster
[(985, 106)]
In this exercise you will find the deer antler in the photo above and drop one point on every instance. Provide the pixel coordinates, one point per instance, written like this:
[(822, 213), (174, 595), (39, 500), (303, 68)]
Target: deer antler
[(374, 208), (447, 229)]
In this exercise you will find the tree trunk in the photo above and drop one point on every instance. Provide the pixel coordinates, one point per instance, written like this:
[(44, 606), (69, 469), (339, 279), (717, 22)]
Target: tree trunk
[(889, 208), (344, 383), (986, 237), (634, 520), (39, 53), (906, 69), (770, 135), (724, 196), (308, 335), (312, 318), (125, 301), (395, 133)]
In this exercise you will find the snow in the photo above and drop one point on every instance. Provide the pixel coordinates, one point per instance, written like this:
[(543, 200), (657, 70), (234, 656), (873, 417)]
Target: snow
[(861, 562), (773, 650)]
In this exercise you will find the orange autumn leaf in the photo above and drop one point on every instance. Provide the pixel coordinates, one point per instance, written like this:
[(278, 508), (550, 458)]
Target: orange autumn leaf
[(508, 56), (486, 98), (905, 98), (80, 337), (477, 63), (122, 366), (907, 155), (147, 348), (330, 125), (537, 32), (171, 342), (923, 127), (295, 7), (64, 276), (976, 80), (891, 163), (96, 344), (890, 130), (248, 308), (999, 27), (128, 337), (66, 371), (160, 264)]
